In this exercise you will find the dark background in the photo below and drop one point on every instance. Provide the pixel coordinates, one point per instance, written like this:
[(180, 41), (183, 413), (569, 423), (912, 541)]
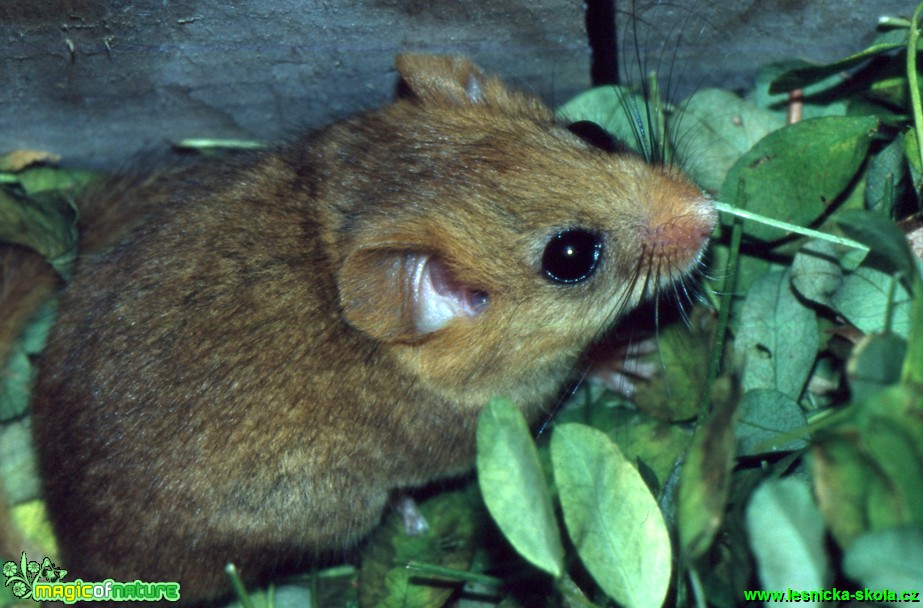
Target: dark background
[(95, 81)]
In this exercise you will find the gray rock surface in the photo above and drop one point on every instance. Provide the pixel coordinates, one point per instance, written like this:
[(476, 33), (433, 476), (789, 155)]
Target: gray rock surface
[(96, 80)]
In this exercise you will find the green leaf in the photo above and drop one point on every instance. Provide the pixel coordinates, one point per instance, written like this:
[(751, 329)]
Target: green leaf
[(641, 438), (749, 268), (18, 468), (17, 160), (787, 536), (48, 227), (384, 580), (875, 363), (843, 482), (50, 179), (816, 272), (514, 488), (682, 362), (656, 444), (895, 452), (18, 376), (886, 240), (16, 384), (866, 300), (335, 588), (705, 480), (887, 559), (817, 98), (716, 128), (912, 154), (888, 87), (31, 519), (868, 470), (796, 173), (777, 337), (883, 237), (611, 516), (614, 108), (770, 422), (888, 243), (886, 294), (803, 76), (886, 178)]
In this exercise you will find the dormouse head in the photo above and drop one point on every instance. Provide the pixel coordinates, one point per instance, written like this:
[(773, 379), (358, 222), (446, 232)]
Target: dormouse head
[(494, 243)]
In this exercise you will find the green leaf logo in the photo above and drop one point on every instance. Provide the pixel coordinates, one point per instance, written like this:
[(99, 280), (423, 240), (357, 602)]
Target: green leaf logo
[(22, 577)]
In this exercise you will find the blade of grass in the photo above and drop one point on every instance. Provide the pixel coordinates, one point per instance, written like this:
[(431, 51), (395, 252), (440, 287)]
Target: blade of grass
[(817, 234)]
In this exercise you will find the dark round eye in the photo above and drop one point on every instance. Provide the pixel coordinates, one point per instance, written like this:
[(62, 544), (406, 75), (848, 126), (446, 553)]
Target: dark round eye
[(571, 255), (596, 136)]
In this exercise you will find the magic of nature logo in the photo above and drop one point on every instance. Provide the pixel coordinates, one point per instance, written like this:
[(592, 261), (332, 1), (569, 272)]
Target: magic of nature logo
[(44, 582)]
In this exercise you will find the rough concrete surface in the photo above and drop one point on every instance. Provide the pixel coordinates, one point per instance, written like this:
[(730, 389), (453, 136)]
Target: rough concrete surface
[(96, 80)]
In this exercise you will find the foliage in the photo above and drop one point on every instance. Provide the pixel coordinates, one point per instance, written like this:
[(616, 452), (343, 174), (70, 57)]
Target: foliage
[(780, 446)]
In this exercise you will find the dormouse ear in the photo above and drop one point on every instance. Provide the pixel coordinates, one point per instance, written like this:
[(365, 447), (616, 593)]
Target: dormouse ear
[(397, 295), (444, 80)]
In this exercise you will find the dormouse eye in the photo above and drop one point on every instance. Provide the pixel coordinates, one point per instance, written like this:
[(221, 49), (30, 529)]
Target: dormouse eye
[(571, 255), (596, 136)]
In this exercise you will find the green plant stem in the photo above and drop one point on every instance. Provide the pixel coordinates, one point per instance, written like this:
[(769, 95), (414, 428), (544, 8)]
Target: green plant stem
[(573, 595), (724, 315), (895, 22), (238, 585), (315, 587), (912, 372), (453, 574), (916, 107), (697, 589), (208, 144), (817, 234)]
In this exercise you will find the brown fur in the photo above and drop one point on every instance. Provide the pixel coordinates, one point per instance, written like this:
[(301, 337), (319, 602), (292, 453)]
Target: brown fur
[(240, 379)]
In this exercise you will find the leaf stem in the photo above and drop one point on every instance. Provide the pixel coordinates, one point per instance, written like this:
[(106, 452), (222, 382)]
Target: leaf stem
[(896, 22), (916, 107), (238, 585), (453, 574), (727, 289), (209, 144), (839, 240), (697, 588), (573, 595), (724, 315)]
